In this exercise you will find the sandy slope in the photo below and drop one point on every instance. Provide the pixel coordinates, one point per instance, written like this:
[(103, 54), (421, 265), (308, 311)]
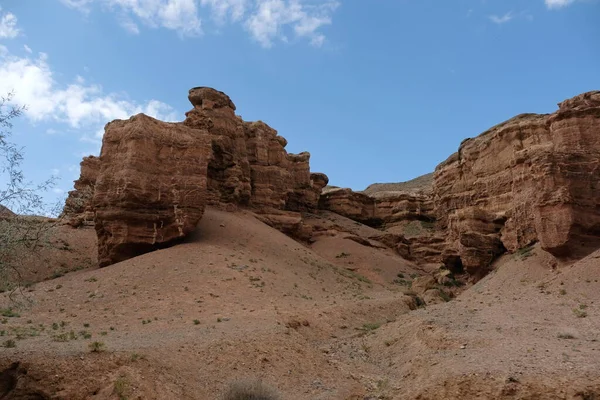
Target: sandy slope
[(241, 300)]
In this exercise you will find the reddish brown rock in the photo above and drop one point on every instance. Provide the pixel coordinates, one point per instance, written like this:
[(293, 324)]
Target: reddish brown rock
[(151, 187), (78, 206), (151, 183), (350, 204), (249, 164), (532, 178)]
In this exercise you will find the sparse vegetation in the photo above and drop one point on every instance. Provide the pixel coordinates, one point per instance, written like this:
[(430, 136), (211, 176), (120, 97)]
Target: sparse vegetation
[(368, 327), (9, 312), (97, 347), (342, 255), (10, 343), (524, 253), (19, 233), (579, 313), (250, 390), (120, 387), (565, 335), (445, 296), (196, 322)]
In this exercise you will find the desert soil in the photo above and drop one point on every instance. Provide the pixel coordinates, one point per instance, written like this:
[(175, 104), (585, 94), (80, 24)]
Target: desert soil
[(330, 320)]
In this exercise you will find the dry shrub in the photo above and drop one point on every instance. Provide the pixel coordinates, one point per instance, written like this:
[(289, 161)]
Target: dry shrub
[(250, 390)]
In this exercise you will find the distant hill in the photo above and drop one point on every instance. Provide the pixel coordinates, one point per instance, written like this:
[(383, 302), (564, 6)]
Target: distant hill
[(422, 183)]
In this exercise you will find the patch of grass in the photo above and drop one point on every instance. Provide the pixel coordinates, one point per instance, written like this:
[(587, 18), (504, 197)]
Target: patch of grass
[(136, 356), (120, 387), (368, 327), (97, 347), (9, 344), (62, 337), (579, 313), (86, 325), (9, 313), (445, 296), (92, 279), (196, 322), (565, 335), (342, 255), (85, 334), (403, 282), (524, 253), (57, 274), (250, 390)]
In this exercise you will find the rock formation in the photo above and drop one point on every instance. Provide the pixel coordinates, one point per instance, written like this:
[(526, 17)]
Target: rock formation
[(78, 206), (532, 178), (151, 188), (153, 179), (249, 164), (408, 216)]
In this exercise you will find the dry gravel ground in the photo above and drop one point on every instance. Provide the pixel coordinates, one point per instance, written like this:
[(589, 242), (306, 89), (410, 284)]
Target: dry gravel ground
[(241, 301)]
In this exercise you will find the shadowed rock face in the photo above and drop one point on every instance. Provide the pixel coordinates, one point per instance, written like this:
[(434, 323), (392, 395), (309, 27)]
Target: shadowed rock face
[(153, 179), (249, 164)]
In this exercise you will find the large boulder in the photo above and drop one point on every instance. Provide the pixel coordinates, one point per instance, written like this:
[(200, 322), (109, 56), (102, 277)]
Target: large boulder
[(151, 187)]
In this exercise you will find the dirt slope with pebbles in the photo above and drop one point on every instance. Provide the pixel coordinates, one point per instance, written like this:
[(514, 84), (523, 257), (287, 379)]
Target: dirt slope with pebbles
[(240, 300)]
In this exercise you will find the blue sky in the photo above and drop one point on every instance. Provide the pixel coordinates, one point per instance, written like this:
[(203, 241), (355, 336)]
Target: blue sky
[(376, 90)]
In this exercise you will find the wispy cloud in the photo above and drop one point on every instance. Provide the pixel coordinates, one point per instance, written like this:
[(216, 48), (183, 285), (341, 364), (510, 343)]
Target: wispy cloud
[(554, 4), (267, 21), (502, 19), (79, 105), (8, 25)]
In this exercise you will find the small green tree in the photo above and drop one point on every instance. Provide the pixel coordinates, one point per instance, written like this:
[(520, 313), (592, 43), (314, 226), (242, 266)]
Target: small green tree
[(20, 231)]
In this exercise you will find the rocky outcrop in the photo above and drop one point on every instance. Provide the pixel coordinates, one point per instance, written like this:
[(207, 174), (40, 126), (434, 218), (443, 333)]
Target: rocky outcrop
[(151, 188), (407, 216), (388, 210), (532, 178), (350, 204), (78, 206), (153, 179), (249, 164)]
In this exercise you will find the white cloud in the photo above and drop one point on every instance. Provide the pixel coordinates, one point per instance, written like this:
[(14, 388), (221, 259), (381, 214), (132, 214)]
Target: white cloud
[(502, 19), (27, 49), (81, 5), (8, 25), (220, 9), (558, 3), (265, 20), (266, 23), (79, 105), (130, 26)]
